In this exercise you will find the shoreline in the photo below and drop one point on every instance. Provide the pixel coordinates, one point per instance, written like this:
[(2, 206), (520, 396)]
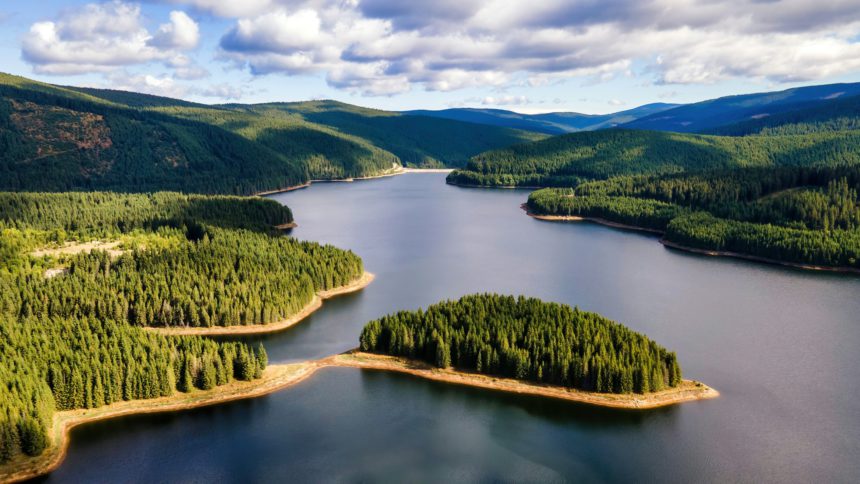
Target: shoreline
[(503, 187), (756, 258), (277, 377), (393, 171), (401, 170), (251, 329), (688, 391), (693, 250)]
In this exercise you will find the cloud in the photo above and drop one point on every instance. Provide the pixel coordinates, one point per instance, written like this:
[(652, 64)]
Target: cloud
[(616, 102), (148, 84), (387, 46), (505, 100), (181, 33), (104, 37)]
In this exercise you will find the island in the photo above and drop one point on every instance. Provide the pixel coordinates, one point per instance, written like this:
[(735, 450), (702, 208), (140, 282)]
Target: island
[(525, 345)]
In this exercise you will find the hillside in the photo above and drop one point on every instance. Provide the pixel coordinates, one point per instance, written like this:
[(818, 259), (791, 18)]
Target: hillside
[(549, 123), (711, 114), (417, 141), (63, 138), (569, 159), (840, 114), (807, 216)]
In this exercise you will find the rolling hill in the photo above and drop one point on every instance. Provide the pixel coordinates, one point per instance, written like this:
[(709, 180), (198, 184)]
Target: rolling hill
[(567, 160), (715, 113), (55, 138), (549, 123)]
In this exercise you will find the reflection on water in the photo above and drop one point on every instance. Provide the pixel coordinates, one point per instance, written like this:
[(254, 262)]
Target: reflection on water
[(779, 344)]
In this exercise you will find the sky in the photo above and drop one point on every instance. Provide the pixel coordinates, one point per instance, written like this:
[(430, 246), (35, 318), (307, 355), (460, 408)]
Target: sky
[(590, 56)]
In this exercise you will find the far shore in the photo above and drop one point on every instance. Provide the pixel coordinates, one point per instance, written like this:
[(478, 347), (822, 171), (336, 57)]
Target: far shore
[(674, 245), (280, 376), (235, 330), (400, 170)]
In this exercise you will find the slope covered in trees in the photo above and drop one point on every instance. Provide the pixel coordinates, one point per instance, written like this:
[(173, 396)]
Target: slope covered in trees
[(75, 340), (528, 339), (55, 138), (804, 215), (418, 141), (839, 114), (570, 159), (715, 113), (549, 123)]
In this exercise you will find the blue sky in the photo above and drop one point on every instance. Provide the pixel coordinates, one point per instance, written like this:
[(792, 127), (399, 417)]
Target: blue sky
[(549, 55)]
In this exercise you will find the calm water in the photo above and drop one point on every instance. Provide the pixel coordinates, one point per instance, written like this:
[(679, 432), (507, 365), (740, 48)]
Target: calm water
[(782, 346)]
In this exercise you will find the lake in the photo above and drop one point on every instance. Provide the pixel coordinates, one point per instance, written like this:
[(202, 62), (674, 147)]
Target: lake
[(781, 345)]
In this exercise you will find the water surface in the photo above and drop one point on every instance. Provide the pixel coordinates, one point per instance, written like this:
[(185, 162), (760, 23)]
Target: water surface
[(781, 345)]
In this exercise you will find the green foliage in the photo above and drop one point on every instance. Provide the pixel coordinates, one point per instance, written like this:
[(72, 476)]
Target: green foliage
[(75, 340), (416, 140), (528, 339), (569, 159), (56, 138), (808, 215), (104, 213)]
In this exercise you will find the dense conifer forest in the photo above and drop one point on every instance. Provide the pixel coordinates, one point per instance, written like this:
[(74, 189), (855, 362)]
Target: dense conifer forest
[(526, 338), (74, 338), (807, 215), (55, 138), (567, 160)]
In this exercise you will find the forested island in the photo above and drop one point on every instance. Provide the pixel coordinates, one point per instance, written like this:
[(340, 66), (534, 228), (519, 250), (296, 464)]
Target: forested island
[(73, 315), (528, 340), (808, 216)]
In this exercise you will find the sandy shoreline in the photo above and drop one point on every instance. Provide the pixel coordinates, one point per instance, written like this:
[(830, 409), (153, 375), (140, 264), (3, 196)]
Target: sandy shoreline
[(688, 391), (673, 245), (315, 303), (755, 258), (280, 376), (274, 378)]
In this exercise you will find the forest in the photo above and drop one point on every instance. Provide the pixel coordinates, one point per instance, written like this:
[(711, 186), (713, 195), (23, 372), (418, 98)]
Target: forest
[(75, 339), (55, 138), (527, 339), (568, 160), (806, 215)]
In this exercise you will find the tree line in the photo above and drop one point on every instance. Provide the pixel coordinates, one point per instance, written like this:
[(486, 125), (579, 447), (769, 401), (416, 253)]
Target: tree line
[(570, 159), (76, 340), (528, 339), (807, 215)]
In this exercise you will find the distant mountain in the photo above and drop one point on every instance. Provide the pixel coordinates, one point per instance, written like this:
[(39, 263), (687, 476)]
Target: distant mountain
[(839, 114), (569, 159), (707, 116), (55, 138), (416, 140), (549, 123)]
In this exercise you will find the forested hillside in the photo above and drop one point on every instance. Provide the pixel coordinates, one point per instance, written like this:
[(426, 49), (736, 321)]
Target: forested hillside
[(55, 138), (840, 114), (549, 123), (418, 141), (528, 339), (72, 322), (805, 215), (569, 159), (709, 115)]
